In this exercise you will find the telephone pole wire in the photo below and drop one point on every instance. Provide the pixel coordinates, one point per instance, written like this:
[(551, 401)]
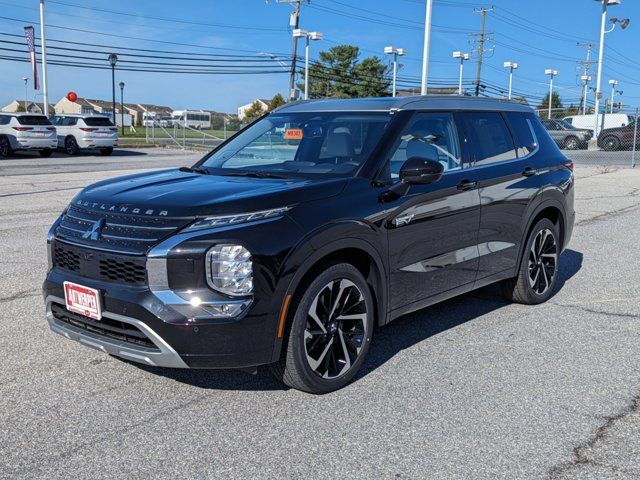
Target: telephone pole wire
[(483, 37)]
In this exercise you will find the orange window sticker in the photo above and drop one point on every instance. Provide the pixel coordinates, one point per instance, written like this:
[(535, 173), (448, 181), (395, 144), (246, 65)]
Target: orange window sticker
[(293, 134)]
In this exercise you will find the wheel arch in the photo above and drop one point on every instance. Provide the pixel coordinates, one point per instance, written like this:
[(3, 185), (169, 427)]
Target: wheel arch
[(551, 209)]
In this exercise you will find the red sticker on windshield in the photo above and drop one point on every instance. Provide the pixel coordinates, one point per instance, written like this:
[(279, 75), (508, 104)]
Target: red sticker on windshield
[(293, 134)]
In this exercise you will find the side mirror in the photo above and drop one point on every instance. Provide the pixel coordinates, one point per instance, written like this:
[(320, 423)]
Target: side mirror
[(417, 171), (421, 171)]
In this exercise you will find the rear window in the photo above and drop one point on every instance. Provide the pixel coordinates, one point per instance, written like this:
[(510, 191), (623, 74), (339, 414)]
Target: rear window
[(522, 135), (33, 120), (98, 122)]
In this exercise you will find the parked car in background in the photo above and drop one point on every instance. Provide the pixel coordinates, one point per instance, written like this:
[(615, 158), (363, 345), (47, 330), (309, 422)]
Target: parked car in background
[(25, 131), (611, 120), (620, 138), (566, 135), (77, 132), (288, 244)]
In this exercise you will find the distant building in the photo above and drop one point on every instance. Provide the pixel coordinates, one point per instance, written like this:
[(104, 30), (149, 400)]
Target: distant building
[(32, 107), (88, 106), (242, 109)]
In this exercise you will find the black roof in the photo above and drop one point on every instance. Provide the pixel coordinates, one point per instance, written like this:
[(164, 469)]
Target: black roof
[(385, 104)]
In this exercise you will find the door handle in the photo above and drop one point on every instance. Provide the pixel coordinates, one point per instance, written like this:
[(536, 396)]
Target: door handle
[(529, 172), (467, 185)]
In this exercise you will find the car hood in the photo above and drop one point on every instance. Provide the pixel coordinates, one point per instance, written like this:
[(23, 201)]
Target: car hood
[(174, 193)]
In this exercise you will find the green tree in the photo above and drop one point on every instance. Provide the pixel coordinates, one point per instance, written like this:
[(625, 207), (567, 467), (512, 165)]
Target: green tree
[(277, 101), (255, 111), (556, 104), (234, 123), (340, 74)]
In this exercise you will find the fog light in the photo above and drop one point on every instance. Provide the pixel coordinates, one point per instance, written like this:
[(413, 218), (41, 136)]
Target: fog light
[(229, 270)]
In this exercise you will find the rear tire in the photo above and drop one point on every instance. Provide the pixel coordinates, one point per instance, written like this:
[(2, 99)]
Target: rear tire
[(538, 271), (611, 144), (5, 148), (571, 143), (71, 146), (46, 152), (330, 332), (106, 151)]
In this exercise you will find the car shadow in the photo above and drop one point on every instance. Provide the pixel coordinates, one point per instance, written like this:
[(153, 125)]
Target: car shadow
[(388, 341)]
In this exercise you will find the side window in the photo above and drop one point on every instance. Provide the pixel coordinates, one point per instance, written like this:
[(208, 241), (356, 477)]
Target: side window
[(428, 135), (488, 137), (70, 121), (4, 120), (522, 132)]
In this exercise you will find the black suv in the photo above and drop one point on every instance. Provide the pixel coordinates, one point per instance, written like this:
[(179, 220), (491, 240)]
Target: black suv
[(293, 240)]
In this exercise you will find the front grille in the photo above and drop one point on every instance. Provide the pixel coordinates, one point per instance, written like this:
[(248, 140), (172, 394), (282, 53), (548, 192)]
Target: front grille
[(121, 232), (106, 327), (109, 267)]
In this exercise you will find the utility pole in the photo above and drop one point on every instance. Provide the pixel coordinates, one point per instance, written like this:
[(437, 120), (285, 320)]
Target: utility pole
[(294, 23), (483, 37), (426, 48), (586, 68)]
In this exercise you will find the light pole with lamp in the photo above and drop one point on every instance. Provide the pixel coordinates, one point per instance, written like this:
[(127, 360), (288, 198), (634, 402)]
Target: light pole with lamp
[(624, 23), (298, 33), (113, 59), (396, 52), (585, 82), (614, 84), (463, 57), (26, 91), (552, 73), (511, 66), (121, 85)]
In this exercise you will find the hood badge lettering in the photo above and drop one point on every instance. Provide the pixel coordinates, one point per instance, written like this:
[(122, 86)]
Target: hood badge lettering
[(123, 208)]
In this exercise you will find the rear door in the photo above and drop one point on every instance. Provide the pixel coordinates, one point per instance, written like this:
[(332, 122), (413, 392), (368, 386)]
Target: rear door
[(433, 230), (506, 172)]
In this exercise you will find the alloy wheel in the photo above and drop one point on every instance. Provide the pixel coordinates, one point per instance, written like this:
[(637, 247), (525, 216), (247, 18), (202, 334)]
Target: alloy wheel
[(71, 146), (543, 261), (336, 328)]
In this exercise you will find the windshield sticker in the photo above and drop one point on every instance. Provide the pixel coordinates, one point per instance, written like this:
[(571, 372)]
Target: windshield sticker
[(293, 134)]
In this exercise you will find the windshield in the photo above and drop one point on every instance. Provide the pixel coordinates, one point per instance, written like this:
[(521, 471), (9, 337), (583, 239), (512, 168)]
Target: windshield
[(310, 144), (566, 125)]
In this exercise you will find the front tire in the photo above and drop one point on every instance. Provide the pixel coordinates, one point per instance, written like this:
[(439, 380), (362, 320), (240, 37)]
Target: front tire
[(611, 144), (571, 143), (47, 152), (5, 148), (538, 272), (71, 146), (330, 332)]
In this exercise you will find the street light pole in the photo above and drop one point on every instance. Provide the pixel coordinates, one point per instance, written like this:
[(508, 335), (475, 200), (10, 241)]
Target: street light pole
[(113, 59), (462, 57), (585, 90), (121, 85), (297, 33), (613, 84), (511, 66), (396, 52), (26, 91), (552, 73), (425, 53), (43, 46)]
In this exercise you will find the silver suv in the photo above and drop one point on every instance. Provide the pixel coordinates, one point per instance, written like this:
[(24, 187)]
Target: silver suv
[(76, 132), (26, 131)]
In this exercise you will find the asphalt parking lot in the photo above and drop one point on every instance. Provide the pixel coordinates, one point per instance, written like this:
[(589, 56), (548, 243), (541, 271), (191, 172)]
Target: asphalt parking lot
[(471, 388)]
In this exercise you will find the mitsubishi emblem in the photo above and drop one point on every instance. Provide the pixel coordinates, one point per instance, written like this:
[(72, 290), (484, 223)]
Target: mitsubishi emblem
[(94, 231)]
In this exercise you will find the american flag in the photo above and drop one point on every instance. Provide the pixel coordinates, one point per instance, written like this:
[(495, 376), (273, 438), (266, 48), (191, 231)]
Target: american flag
[(31, 44)]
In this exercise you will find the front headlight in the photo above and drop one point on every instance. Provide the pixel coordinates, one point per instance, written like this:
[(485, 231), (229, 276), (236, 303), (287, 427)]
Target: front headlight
[(230, 270)]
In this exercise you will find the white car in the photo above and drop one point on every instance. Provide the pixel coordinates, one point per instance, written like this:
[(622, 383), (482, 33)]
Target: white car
[(77, 132), (611, 120), (26, 131)]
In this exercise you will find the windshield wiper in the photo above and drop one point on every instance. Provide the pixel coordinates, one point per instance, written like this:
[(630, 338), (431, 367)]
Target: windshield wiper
[(252, 174), (194, 170)]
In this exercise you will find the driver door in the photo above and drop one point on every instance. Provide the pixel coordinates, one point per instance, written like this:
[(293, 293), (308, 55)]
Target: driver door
[(433, 230)]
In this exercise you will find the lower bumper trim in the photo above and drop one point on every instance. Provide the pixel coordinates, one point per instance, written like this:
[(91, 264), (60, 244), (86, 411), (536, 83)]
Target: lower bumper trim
[(162, 356)]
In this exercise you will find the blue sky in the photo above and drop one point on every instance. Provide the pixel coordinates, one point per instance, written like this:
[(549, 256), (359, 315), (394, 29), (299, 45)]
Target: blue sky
[(537, 38)]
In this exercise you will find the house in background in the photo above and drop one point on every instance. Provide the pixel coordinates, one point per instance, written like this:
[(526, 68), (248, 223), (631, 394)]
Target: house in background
[(32, 107), (243, 109)]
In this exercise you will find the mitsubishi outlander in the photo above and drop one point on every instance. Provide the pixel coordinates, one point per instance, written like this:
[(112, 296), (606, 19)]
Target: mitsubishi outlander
[(290, 243)]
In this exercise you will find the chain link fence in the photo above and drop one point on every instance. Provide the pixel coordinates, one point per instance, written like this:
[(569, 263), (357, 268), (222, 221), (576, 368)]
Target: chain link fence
[(614, 145)]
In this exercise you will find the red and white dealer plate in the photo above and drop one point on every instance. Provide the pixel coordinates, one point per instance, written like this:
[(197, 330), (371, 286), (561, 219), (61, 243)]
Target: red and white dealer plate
[(82, 300)]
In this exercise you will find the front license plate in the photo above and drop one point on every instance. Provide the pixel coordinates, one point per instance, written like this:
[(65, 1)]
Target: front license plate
[(82, 300)]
